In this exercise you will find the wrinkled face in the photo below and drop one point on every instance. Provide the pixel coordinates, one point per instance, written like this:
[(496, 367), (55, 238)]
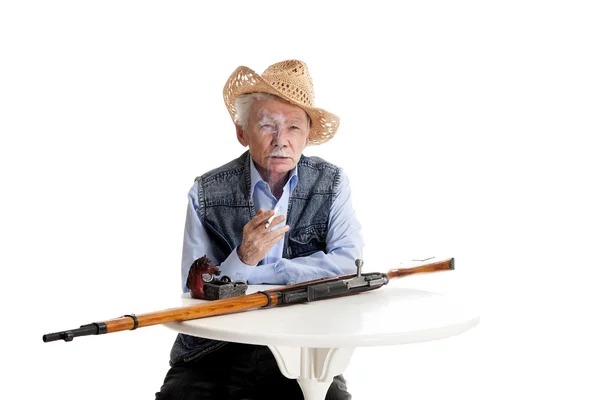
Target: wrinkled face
[(277, 134)]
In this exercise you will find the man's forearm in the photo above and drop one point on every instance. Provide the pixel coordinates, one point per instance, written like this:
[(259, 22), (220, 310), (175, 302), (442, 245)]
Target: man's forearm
[(301, 269)]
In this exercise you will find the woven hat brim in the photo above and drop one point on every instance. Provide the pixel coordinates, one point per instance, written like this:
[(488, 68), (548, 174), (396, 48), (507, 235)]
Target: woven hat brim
[(244, 80)]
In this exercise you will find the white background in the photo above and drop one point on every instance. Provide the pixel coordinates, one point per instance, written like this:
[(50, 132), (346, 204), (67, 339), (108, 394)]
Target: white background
[(467, 130)]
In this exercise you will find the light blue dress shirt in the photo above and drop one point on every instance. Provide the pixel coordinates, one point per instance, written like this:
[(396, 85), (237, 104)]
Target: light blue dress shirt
[(344, 241)]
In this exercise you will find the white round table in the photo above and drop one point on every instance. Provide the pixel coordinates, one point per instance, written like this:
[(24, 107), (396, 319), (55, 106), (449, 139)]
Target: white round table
[(313, 342)]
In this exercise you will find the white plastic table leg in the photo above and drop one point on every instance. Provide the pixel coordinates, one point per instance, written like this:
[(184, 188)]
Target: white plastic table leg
[(314, 368)]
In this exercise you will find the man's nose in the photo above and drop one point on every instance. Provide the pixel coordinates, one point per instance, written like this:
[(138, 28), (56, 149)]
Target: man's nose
[(278, 138)]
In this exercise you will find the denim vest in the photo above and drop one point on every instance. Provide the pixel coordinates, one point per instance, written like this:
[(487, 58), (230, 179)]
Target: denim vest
[(225, 208)]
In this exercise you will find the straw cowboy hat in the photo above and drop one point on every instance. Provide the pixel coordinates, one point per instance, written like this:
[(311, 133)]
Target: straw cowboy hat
[(289, 80)]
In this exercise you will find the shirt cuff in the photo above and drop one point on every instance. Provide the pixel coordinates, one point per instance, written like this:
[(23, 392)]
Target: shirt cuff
[(237, 270)]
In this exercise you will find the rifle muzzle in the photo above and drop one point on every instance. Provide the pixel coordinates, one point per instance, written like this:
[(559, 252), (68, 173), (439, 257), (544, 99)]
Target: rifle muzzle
[(95, 328)]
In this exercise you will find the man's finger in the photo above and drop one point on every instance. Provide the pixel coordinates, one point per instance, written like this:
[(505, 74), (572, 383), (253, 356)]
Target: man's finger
[(271, 242), (277, 234), (272, 222), (260, 219)]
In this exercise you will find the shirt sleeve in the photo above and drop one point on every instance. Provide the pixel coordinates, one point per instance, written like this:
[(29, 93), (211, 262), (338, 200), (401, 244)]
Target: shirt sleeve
[(196, 242)]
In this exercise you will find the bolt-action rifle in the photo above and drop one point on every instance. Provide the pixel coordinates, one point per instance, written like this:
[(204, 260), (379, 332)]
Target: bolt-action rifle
[(319, 289)]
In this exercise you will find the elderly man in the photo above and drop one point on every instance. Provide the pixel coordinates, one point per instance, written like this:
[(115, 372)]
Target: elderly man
[(271, 216)]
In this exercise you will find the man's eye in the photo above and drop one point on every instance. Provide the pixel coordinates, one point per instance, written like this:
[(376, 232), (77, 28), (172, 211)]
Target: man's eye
[(266, 126)]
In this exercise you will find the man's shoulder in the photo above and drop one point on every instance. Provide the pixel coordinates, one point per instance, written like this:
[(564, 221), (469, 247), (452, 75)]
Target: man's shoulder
[(318, 175), (315, 162), (233, 167)]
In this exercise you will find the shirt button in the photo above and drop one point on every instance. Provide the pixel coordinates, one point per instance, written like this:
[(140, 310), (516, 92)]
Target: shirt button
[(239, 276)]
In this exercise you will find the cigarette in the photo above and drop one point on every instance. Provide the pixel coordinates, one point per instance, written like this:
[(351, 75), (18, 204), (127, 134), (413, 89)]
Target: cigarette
[(271, 218)]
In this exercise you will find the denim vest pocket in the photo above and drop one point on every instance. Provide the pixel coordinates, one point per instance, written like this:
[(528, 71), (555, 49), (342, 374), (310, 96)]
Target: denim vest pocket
[(307, 240)]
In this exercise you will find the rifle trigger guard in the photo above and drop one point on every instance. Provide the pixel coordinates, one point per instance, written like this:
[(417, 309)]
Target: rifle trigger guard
[(135, 320)]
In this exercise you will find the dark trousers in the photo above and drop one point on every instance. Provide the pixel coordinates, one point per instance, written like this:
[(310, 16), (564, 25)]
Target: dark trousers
[(237, 372)]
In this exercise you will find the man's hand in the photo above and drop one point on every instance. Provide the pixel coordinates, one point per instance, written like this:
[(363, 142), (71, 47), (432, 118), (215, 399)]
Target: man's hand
[(256, 240)]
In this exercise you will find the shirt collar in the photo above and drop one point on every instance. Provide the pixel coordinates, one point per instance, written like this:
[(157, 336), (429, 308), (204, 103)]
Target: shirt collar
[(255, 178)]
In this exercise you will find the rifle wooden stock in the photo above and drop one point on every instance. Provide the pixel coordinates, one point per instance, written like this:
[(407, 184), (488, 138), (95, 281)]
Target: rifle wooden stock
[(317, 289), (444, 265)]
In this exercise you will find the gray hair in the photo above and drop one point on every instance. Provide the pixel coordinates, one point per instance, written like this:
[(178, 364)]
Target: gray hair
[(244, 102)]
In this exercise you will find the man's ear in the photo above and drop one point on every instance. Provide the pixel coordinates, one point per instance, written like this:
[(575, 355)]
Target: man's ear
[(241, 137)]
